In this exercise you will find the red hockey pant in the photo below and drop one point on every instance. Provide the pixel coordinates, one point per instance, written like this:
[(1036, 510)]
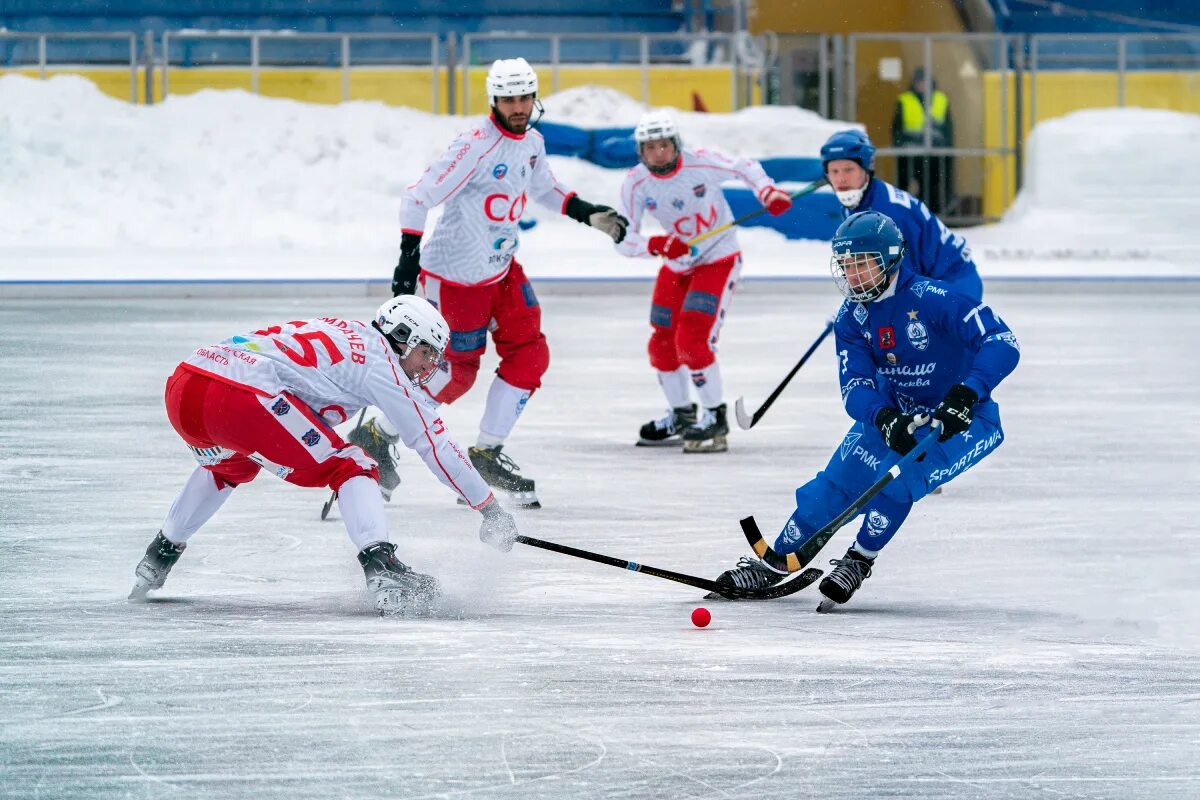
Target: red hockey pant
[(686, 313), (510, 310), (234, 432)]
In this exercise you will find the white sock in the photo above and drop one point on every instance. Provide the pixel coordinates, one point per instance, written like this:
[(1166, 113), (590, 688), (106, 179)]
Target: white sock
[(675, 387), (197, 501), (505, 403), (361, 505), (708, 385)]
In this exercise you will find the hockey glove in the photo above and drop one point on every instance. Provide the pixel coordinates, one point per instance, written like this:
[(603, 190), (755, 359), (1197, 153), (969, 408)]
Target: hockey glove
[(669, 247), (498, 528), (777, 201), (602, 218), (955, 411), (404, 279), (897, 429)]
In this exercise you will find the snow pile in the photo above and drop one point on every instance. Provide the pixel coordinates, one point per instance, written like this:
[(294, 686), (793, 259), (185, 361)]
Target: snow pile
[(229, 169)]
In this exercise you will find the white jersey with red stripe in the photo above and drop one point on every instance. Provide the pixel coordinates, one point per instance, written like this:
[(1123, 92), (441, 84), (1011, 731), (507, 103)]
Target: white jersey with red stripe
[(338, 367), (485, 178), (688, 202)]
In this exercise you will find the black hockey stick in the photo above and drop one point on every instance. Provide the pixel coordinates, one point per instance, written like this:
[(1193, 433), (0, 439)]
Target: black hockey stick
[(746, 421), (728, 592), (793, 562), (325, 509)]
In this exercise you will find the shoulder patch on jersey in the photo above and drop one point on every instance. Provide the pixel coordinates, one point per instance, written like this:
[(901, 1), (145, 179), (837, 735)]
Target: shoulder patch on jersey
[(860, 313)]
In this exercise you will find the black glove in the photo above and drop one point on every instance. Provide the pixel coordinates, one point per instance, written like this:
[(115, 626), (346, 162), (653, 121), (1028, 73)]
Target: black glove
[(955, 412), (895, 429), (602, 218), (404, 279), (498, 528)]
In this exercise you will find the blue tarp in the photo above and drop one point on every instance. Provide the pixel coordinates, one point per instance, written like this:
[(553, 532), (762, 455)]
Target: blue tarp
[(815, 216)]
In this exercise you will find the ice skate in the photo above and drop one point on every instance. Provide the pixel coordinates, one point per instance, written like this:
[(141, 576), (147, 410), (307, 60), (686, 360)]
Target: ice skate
[(500, 472), (151, 572), (750, 573), (667, 430), (707, 434), (843, 581), (398, 590), (378, 445)]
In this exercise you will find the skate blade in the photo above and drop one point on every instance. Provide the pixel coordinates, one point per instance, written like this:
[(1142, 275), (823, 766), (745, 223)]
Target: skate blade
[(718, 444), (139, 593), (826, 605), (674, 441)]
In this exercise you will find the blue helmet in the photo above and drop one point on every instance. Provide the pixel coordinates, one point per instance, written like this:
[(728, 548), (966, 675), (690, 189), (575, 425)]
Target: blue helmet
[(867, 249), (852, 145)]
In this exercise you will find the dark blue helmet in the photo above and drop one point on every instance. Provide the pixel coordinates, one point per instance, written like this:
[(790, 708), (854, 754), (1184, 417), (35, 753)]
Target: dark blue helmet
[(853, 145), (867, 248)]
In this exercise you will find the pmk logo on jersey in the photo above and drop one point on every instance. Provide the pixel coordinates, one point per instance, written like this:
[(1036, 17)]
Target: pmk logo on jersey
[(699, 190), (499, 171), (848, 443), (887, 338), (311, 437), (281, 407)]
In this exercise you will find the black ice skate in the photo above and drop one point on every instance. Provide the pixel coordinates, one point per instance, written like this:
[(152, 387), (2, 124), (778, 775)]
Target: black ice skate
[(396, 587), (151, 572), (750, 573), (708, 433), (667, 430), (843, 581), (500, 472), (378, 445)]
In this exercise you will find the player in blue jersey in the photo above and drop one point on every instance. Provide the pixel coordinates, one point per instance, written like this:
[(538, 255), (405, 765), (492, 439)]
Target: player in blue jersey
[(933, 250), (909, 350)]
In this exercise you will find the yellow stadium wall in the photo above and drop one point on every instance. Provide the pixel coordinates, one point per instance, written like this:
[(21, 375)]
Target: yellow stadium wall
[(1061, 92), (413, 86)]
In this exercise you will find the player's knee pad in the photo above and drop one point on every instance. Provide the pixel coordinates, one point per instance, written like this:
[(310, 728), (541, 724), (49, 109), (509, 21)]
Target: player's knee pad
[(524, 366), (462, 378), (663, 356), (691, 340)]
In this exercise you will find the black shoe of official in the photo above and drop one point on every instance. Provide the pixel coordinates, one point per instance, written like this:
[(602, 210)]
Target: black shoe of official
[(396, 587), (707, 434), (666, 430), (498, 470), (151, 572), (378, 445), (848, 574)]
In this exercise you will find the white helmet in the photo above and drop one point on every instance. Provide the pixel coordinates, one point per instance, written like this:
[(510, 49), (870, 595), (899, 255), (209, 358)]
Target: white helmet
[(656, 124), (511, 77), (408, 321)]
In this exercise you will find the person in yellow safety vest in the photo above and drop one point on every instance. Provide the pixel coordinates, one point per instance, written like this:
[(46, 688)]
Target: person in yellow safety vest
[(929, 177)]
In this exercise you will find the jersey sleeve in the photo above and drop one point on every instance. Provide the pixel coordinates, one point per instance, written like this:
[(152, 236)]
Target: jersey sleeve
[(856, 370), (631, 208), (442, 180), (997, 350), (747, 170), (543, 186), (423, 431)]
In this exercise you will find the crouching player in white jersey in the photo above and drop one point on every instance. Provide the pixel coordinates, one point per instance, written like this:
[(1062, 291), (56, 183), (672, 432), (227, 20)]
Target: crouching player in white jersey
[(269, 400), (910, 350), (468, 268), (681, 189)]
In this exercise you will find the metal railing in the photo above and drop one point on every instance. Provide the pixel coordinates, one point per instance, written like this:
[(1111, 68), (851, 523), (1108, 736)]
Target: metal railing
[(43, 63), (734, 58), (344, 41)]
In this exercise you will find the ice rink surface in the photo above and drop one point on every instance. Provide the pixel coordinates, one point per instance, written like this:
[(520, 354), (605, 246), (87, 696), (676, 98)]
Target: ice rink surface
[(1033, 632)]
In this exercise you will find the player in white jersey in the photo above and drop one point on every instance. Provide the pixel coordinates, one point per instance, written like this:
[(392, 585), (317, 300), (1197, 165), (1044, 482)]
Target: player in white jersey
[(468, 268), (681, 190), (269, 400)]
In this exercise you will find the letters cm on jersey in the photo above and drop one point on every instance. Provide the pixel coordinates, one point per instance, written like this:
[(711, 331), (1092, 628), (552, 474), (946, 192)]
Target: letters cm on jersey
[(500, 207), (697, 223)]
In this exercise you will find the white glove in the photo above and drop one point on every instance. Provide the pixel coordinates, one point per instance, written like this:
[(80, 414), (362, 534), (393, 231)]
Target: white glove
[(498, 528)]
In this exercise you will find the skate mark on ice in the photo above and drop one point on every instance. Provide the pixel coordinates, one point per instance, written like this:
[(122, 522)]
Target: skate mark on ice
[(106, 701)]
